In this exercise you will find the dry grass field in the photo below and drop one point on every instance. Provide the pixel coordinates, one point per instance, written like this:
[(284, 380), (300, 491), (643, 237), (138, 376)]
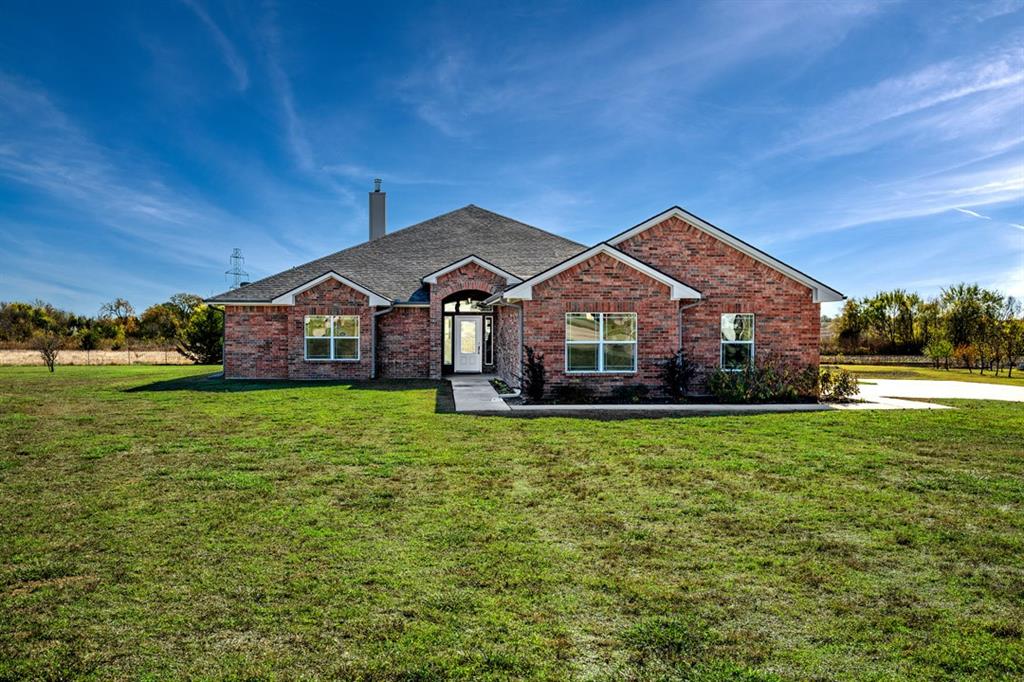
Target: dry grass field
[(97, 357)]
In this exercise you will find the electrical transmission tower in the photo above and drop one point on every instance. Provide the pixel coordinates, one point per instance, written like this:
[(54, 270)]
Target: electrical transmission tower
[(238, 275)]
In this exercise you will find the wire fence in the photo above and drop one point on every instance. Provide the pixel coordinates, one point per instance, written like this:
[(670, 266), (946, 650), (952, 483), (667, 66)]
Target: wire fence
[(97, 357)]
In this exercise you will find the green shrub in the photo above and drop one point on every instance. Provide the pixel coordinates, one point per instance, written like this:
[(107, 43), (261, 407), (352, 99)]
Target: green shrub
[(939, 351), (574, 394), (836, 385), (676, 372), (202, 338), (765, 382), (532, 380), (630, 393)]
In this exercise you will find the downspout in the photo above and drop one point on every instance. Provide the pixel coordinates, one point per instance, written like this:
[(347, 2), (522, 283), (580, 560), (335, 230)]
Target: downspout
[(223, 340), (373, 340)]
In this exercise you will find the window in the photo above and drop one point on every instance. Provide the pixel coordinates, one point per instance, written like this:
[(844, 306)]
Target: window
[(737, 340), (466, 305), (447, 340), (600, 342), (332, 337), (488, 340)]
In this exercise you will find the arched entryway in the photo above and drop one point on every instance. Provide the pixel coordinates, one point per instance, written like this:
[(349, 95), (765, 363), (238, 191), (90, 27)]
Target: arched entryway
[(467, 329)]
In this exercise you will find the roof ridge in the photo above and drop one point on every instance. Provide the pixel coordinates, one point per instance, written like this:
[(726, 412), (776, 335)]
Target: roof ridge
[(520, 222)]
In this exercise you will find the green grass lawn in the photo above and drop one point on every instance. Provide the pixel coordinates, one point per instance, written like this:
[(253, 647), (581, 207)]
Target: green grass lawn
[(155, 524), (869, 372)]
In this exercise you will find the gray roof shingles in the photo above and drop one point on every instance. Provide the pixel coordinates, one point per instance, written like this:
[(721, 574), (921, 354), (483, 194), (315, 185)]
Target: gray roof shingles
[(394, 264)]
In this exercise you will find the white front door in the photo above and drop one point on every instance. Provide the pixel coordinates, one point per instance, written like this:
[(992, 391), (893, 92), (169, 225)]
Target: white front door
[(468, 344)]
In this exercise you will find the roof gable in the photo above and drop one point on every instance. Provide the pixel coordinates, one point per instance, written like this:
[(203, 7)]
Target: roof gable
[(288, 297), (451, 267), (677, 289), (820, 291)]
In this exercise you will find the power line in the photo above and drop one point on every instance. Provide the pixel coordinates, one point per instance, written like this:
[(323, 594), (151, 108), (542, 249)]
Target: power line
[(238, 275)]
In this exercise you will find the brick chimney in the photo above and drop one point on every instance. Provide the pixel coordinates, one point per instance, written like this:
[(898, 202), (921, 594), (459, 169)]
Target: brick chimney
[(378, 214)]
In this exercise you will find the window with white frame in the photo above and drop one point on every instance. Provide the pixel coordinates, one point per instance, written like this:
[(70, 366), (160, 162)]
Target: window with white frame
[(600, 342), (737, 340), (332, 337)]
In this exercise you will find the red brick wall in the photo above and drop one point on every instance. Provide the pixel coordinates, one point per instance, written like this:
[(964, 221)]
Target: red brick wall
[(403, 343), (329, 298), (255, 342), (507, 348), (469, 277), (268, 342), (602, 284), (786, 320)]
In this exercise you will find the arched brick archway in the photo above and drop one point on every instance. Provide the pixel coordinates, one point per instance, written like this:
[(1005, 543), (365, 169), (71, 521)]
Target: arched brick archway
[(469, 277)]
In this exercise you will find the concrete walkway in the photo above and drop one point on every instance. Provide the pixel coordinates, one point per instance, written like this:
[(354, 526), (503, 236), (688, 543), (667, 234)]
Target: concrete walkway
[(886, 391), (474, 393)]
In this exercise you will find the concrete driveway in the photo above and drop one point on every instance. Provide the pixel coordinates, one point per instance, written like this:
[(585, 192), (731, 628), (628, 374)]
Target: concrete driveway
[(888, 391)]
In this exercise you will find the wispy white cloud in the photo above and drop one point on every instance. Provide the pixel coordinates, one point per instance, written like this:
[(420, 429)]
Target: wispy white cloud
[(84, 181), (983, 11), (972, 213), (363, 174), (232, 58), (613, 74), (296, 136), (855, 121), (999, 183)]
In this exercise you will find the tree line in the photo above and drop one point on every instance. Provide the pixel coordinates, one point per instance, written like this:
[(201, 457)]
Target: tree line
[(183, 322), (965, 325)]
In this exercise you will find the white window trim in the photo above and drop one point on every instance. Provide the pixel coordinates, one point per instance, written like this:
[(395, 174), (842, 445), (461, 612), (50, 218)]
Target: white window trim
[(600, 343), (722, 342), (330, 338)]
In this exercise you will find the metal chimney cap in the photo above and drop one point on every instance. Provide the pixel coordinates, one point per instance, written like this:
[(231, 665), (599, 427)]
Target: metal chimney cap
[(376, 184)]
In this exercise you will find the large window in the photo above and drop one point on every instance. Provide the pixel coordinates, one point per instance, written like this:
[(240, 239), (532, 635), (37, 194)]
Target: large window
[(737, 340), (332, 337), (600, 342)]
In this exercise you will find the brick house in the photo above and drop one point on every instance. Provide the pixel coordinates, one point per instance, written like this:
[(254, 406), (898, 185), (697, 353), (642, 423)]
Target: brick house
[(467, 291)]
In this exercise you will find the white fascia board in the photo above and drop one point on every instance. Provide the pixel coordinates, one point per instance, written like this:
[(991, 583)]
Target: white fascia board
[(678, 290), (820, 292), (509, 277), (288, 298)]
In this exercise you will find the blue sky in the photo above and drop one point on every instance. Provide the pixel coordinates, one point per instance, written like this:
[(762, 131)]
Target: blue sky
[(870, 144)]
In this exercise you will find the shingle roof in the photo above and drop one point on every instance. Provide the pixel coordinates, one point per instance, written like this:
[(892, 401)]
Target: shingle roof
[(394, 264)]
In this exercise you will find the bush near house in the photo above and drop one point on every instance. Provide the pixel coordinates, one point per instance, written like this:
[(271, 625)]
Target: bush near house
[(768, 381), (677, 373), (533, 375), (764, 382)]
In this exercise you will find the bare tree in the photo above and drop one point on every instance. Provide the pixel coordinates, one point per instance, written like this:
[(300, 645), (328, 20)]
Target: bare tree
[(122, 312), (48, 344)]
